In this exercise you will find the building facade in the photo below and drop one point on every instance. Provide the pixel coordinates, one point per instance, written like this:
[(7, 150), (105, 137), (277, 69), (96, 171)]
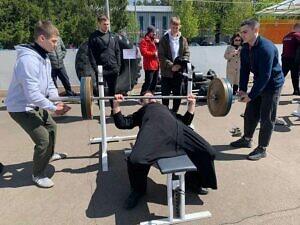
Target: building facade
[(158, 16)]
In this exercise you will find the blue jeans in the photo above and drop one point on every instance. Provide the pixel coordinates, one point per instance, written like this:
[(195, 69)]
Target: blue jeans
[(263, 108)]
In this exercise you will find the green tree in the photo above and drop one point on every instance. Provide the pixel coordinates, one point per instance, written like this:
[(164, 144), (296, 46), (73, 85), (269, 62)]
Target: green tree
[(219, 19), (17, 18), (139, 2), (165, 2), (132, 28), (188, 16), (118, 14)]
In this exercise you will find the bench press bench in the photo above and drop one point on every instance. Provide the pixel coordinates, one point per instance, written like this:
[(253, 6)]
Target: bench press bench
[(177, 167)]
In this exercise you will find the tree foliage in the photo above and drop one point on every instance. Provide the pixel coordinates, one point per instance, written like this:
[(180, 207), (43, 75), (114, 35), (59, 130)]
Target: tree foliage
[(75, 19), (188, 17)]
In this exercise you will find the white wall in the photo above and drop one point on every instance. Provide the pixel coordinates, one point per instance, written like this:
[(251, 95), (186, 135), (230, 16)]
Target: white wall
[(202, 57)]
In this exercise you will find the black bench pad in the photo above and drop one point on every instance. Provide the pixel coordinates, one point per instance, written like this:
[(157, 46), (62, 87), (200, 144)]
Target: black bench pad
[(175, 164)]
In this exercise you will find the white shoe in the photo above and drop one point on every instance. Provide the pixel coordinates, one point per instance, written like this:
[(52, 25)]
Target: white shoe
[(58, 156), (42, 181)]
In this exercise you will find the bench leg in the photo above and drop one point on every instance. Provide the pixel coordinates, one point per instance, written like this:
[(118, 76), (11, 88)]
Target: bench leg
[(181, 206)]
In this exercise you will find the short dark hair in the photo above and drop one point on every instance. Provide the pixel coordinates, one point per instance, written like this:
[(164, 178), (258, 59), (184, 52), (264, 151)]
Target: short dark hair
[(102, 18), (45, 28), (251, 23)]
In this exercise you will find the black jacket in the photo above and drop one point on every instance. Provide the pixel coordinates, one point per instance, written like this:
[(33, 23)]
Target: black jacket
[(104, 50), (157, 130)]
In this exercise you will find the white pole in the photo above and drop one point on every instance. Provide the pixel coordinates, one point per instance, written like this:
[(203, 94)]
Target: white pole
[(102, 120), (190, 86), (107, 9)]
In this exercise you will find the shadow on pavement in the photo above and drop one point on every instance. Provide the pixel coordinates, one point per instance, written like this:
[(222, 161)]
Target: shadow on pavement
[(113, 188), (19, 175), (67, 119), (221, 156)]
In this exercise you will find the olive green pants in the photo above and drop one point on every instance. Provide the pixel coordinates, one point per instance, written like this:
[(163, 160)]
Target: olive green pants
[(42, 129)]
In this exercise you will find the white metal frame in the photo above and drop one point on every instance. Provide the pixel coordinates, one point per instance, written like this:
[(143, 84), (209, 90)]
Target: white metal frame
[(182, 216)]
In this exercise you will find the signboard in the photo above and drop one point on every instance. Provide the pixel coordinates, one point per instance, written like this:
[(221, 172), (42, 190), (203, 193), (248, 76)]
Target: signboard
[(129, 53)]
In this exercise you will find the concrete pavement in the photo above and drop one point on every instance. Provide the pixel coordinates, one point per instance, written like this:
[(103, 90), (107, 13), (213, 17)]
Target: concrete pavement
[(265, 192)]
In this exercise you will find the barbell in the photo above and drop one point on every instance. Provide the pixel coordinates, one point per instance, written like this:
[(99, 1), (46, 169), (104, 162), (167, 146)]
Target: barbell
[(219, 97)]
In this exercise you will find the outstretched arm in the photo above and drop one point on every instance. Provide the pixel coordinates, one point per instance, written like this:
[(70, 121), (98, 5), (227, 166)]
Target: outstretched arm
[(188, 117), (121, 121)]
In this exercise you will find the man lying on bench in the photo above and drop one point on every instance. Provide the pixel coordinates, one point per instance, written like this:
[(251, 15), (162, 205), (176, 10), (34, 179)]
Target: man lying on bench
[(163, 134)]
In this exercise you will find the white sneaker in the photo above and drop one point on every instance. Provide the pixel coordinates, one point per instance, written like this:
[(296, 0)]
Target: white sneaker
[(42, 181), (58, 156)]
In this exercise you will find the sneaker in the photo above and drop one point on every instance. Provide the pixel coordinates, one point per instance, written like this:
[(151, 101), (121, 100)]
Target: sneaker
[(257, 153), (296, 92), (58, 156), (279, 122), (132, 200), (196, 189), (42, 181), (71, 93), (242, 143)]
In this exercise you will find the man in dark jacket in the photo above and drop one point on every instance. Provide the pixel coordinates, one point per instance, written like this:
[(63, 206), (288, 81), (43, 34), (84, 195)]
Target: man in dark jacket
[(171, 46), (259, 56), (104, 50), (291, 42), (58, 67), (164, 134), (150, 60)]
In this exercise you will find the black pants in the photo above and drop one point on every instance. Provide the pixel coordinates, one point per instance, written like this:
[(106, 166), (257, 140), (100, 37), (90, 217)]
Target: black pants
[(61, 73), (111, 81), (263, 108), (172, 84), (151, 77), (289, 64), (198, 150)]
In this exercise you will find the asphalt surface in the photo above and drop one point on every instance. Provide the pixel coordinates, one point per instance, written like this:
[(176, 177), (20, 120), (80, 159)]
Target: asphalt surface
[(264, 192)]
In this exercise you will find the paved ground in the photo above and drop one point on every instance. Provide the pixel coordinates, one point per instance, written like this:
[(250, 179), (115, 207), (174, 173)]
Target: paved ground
[(265, 192)]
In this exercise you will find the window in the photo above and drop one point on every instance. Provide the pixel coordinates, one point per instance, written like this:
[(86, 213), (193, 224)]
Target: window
[(153, 20), (164, 23), (141, 22)]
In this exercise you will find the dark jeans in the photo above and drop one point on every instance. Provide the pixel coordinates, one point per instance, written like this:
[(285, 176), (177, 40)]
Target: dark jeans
[(198, 150), (263, 108), (171, 84), (61, 73), (40, 126), (111, 80), (288, 64), (151, 77)]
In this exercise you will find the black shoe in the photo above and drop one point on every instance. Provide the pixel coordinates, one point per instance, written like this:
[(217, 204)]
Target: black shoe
[(71, 93), (132, 200), (296, 92), (242, 143), (196, 189), (1, 167), (258, 153)]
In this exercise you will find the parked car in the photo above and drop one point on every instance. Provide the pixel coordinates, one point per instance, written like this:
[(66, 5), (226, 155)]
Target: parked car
[(194, 44)]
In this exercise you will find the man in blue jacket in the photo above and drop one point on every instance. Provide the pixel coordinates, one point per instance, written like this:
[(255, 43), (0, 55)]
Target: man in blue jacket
[(259, 56)]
